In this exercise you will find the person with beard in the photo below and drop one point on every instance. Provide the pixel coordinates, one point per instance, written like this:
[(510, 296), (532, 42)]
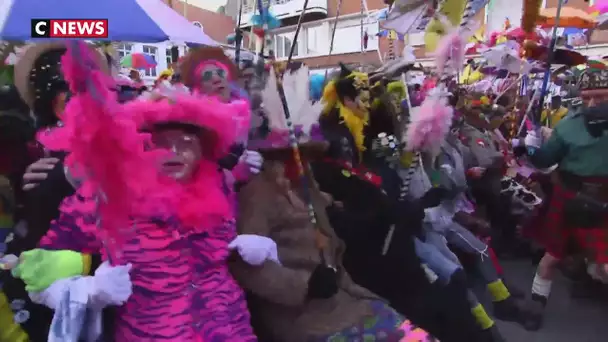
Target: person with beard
[(383, 262), (577, 208)]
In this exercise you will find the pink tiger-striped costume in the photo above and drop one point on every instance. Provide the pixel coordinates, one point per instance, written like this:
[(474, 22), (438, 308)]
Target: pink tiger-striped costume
[(182, 289)]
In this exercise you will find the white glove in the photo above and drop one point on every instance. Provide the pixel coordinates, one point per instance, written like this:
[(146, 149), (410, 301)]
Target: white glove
[(253, 160), (111, 285), (533, 139), (546, 132), (52, 295), (250, 163), (255, 249), (447, 168)]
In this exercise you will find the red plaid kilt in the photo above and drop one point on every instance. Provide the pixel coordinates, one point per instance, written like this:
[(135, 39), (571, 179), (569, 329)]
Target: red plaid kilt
[(555, 235)]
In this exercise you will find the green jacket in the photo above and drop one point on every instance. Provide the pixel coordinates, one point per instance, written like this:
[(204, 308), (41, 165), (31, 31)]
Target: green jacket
[(574, 149)]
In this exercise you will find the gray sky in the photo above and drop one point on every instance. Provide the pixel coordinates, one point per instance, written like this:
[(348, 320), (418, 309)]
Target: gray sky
[(211, 5)]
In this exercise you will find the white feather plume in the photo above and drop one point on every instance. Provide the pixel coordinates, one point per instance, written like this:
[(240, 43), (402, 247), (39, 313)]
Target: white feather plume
[(273, 106), (297, 93)]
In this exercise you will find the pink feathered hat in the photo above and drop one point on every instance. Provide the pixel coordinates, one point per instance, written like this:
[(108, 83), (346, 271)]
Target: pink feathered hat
[(211, 118)]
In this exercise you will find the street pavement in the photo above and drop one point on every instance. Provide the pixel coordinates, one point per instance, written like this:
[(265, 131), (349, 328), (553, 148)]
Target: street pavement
[(567, 319)]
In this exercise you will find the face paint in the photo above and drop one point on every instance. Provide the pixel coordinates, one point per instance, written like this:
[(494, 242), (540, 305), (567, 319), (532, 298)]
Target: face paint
[(214, 80), (185, 154), (361, 83)]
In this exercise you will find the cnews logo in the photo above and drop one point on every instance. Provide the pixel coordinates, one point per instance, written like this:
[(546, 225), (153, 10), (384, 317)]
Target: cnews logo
[(70, 28)]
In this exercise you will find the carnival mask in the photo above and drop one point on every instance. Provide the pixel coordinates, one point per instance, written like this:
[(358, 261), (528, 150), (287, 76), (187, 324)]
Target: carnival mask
[(361, 84)]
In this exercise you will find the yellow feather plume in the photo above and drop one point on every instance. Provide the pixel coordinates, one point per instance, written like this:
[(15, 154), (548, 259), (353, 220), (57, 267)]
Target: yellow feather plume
[(330, 97)]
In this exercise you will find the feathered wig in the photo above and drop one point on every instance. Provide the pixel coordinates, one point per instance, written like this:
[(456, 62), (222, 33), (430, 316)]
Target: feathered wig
[(189, 68), (107, 149)]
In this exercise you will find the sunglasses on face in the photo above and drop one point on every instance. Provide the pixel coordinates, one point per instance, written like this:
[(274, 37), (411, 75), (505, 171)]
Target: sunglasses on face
[(208, 75)]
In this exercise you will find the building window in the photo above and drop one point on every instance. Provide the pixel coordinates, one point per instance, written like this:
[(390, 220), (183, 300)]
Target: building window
[(123, 50), (168, 57), (348, 36), (153, 52), (282, 46), (312, 40)]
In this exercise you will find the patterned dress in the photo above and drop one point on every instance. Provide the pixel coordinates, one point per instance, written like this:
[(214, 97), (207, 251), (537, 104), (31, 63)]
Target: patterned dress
[(182, 288), (384, 325)]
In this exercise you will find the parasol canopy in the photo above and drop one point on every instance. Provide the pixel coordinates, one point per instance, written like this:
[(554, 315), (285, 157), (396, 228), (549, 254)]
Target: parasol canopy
[(138, 61), (144, 21), (594, 64), (569, 17), (561, 56)]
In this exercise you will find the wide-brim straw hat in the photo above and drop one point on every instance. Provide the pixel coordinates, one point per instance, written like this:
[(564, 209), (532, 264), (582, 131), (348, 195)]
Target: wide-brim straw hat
[(28, 59), (194, 57)]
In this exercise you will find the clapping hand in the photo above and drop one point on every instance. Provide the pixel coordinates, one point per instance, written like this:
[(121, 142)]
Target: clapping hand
[(255, 249)]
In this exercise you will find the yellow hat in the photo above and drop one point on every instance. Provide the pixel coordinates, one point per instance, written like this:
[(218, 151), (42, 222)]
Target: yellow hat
[(166, 73)]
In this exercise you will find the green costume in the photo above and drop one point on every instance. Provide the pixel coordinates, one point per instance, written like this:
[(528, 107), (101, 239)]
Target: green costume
[(574, 149)]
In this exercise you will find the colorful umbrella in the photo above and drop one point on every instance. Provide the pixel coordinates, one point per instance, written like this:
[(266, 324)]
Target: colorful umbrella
[(143, 21), (596, 64), (138, 61), (560, 56), (569, 17)]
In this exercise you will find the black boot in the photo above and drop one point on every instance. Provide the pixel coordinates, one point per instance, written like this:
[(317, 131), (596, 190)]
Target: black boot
[(492, 334), (510, 310), (534, 312)]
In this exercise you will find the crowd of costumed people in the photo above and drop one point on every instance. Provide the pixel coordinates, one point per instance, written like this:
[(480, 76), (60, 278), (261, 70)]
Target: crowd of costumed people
[(235, 201)]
